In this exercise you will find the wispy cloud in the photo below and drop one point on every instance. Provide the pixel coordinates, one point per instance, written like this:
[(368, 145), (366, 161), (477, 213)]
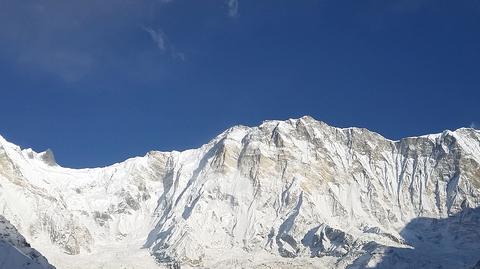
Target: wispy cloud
[(161, 40), (71, 65), (79, 39), (179, 55), (232, 8), (73, 40), (474, 125), (158, 37)]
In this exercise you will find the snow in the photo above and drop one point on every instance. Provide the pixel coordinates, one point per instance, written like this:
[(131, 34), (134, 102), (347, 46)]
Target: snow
[(15, 252), (295, 193)]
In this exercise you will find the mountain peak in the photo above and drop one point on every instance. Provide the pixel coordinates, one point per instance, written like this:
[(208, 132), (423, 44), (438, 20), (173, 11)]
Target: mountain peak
[(322, 196), (48, 157)]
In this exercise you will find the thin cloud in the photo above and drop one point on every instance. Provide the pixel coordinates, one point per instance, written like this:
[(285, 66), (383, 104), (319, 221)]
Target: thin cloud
[(72, 40), (474, 125), (232, 8), (160, 39), (71, 66), (179, 55)]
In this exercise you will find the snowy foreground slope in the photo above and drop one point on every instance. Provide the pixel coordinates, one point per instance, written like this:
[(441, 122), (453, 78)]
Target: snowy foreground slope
[(286, 194)]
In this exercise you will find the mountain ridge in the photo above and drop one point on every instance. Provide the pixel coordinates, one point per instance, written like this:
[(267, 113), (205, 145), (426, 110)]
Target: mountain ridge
[(286, 193), (50, 151), (15, 252)]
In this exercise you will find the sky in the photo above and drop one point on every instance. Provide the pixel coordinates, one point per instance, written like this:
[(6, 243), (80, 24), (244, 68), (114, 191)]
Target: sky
[(101, 81)]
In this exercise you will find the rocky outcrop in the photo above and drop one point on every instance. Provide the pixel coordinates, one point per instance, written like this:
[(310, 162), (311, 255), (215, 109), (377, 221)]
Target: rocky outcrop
[(15, 252)]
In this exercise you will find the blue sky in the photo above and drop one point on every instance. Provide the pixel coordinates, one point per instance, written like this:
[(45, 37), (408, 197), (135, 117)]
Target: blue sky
[(101, 81)]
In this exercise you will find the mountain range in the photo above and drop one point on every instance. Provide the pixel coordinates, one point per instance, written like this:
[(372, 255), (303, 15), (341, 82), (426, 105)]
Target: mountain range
[(286, 194)]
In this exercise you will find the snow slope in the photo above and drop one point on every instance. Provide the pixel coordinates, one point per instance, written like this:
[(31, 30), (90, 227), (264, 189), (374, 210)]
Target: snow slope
[(283, 194), (15, 252)]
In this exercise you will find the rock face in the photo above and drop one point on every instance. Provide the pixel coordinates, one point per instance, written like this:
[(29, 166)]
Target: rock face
[(286, 194), (15, 252)]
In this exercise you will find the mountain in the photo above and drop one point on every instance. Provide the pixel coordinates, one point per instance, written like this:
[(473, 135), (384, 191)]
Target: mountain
[(15, 252), (286, 194)]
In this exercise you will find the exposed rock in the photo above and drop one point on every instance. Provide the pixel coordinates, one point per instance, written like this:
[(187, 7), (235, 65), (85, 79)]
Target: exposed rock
[(295, 193), (15, 252)]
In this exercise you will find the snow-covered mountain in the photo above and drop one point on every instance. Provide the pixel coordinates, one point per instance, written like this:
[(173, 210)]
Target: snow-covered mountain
[(15, 252), (285, 194)]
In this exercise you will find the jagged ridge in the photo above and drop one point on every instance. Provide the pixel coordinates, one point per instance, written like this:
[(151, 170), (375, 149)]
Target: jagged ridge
[(286, 193)]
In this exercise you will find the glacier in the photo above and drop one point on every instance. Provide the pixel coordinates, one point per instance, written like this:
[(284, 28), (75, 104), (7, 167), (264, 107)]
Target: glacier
[(286, 194)]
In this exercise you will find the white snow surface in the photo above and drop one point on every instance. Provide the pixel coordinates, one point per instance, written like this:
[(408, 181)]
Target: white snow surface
[(285, 194)]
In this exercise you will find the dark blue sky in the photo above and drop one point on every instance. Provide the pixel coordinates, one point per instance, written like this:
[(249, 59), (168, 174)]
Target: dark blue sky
[(100, 81)]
